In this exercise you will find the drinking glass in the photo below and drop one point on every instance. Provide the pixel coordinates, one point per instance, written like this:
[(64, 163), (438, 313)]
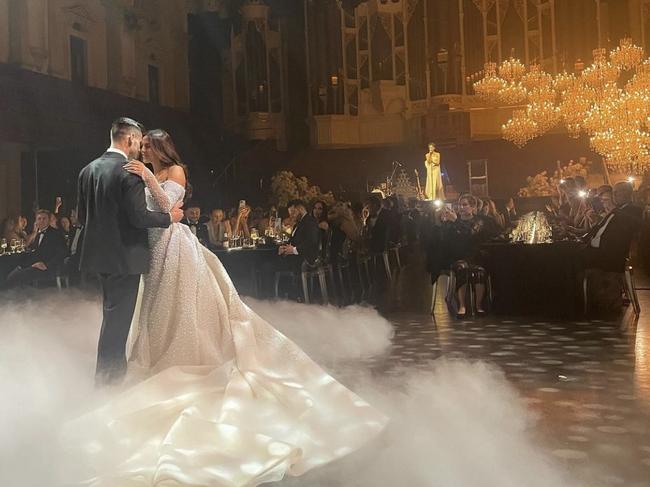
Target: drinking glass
[(3, 245)]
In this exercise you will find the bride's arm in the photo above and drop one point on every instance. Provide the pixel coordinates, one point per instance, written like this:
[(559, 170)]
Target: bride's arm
[(175, 173)]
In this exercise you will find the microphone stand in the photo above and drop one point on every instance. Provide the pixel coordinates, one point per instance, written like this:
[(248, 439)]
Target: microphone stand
[(390, 181)]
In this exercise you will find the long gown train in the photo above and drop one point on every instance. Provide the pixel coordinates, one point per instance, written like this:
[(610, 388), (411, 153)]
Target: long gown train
[(221, 398)]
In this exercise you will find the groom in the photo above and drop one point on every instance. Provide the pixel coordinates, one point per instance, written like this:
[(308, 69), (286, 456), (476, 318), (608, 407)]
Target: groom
[(111, 206)]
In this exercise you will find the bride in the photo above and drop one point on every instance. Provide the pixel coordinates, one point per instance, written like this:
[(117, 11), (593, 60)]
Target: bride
[(221, 398)]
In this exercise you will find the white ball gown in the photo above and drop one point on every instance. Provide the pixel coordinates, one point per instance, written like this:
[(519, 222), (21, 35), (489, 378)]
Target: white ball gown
[(221, 397)]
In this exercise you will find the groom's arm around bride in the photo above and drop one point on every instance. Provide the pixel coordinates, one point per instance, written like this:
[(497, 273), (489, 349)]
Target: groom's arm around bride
[(112, 207)]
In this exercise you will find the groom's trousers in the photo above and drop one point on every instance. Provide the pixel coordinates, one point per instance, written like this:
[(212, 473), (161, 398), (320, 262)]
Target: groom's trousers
[(120, 295)]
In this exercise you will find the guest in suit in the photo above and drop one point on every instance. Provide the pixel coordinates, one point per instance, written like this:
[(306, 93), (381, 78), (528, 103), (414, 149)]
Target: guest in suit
[(376, 225), (305, 237), (218, 228), (302, 250), (48, 251), (196, 222), (608, 243), (112, 208)]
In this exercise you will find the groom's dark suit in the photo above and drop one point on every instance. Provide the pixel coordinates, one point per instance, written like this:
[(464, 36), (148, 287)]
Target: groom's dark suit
[(111, 206)]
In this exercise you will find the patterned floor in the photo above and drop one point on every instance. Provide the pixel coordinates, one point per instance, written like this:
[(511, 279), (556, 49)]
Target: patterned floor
[(589, 380)]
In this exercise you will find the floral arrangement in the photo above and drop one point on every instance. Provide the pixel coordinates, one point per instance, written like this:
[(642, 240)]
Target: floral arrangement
[(286, 186), (544, 185)]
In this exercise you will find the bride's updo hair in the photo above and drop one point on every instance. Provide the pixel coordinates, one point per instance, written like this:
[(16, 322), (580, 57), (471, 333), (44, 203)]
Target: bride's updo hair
[(163, 146)]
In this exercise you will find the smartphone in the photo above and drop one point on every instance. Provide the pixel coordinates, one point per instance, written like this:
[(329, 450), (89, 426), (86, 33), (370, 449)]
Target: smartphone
[(242, 203)]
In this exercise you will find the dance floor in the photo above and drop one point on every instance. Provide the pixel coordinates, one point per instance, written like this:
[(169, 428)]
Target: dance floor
[(588, 382)]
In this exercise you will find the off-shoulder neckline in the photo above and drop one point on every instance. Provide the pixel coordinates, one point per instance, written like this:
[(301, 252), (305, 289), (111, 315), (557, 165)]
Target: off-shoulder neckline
[(172, 181)]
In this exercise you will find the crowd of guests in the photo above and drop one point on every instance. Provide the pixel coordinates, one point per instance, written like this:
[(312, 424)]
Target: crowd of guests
[(605, 218)]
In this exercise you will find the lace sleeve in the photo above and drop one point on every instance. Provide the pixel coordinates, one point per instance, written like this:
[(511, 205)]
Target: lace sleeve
[(157, 191)]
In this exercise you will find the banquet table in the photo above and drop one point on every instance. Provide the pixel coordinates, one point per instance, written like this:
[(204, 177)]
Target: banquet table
[(534, 279), (243, 265), (8, 262)]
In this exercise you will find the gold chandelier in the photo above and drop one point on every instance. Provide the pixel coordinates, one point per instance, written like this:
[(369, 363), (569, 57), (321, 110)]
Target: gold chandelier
[(596, 101), (520, 129)]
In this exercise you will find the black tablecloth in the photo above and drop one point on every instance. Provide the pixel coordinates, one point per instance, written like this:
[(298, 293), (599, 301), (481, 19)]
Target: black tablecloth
[(8, 262), (539, 279), (242, 265)]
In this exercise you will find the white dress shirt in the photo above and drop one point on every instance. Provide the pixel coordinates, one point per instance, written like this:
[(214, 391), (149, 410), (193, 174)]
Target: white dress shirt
[(117, 151), (595, 242)]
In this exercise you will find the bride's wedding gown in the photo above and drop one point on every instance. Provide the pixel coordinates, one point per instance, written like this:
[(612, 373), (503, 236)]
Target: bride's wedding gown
[(222, 398)]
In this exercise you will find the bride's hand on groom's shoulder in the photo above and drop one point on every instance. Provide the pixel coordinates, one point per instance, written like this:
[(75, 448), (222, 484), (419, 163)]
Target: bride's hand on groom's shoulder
[(138, 168)]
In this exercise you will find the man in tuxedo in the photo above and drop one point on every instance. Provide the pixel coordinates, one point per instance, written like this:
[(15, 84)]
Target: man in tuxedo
[(303, 247), (111, 207), (48, 249), (196, 223), (608, 243), (305, 238)]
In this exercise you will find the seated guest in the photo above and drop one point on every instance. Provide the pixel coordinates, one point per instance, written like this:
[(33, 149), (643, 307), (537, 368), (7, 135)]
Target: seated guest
[(490, 211), (48, 251), (66, 228), (268, 221), (305, 237), (461, 235), (196, 222), (303, 248), (319, 212), (390, 209), (345, 233), (608, 243), (412, 218), (606, 195), (218, 228), (13, 228), (255, 220), (376, 225), (510, 215), (241, 228)]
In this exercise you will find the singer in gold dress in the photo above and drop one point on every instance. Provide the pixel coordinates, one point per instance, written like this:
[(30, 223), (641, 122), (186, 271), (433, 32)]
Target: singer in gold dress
[(434, 189)]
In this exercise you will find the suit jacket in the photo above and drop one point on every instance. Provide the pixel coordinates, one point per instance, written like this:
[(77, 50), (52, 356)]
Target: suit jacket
[(306, 238), (51, 251), (379, 232), (111, 206), (616, 239), (201, 231)]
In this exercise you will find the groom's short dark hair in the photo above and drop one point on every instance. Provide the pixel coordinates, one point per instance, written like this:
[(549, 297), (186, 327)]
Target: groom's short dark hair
[(124, 126)]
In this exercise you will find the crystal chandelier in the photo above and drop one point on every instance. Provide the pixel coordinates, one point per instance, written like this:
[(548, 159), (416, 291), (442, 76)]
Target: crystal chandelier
[(545, 114), (520, 129), (511, 70), (626, 56), (512, 94), (490, 85), (614, 113)]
